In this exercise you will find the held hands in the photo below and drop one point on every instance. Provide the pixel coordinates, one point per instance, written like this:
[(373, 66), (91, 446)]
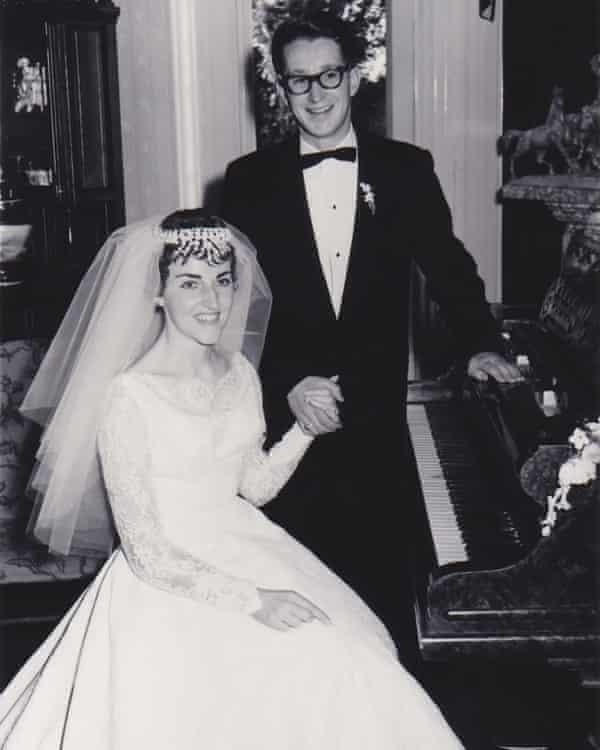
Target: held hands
[(283, 610), (313, 402), (484, 364)]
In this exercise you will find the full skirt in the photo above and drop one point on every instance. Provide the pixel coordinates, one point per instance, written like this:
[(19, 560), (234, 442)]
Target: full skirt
[(132, 666)]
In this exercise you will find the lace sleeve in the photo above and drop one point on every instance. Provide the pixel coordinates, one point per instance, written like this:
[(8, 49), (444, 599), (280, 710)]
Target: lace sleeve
[(153, 558), (265, 473)]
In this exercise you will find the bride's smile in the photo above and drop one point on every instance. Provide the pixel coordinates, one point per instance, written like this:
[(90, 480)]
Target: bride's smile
[(197, 299)]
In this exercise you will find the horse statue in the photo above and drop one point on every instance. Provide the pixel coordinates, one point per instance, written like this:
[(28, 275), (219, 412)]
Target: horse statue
[(540, 139), (592, 145), (581, 137)]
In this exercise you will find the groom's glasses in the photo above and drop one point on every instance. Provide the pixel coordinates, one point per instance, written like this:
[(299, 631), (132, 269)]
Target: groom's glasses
[(328, 79)]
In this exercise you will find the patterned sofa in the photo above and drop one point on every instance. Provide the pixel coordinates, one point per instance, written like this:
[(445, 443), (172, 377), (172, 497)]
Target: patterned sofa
[(22, 560)]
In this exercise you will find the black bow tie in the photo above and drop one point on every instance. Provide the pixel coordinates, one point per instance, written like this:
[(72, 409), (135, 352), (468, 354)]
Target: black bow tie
[(344, 154)]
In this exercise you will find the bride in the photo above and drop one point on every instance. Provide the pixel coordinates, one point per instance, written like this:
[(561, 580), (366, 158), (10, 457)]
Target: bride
[(208, 626)]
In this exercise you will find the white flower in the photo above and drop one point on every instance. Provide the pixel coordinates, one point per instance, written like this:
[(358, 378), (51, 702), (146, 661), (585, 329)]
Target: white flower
[(579, 439), (591, 452), (586, 441), (368, 195), (374, 67), (577, 470)]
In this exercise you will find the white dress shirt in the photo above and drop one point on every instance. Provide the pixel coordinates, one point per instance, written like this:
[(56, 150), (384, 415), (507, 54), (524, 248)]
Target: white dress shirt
[(331, 188)]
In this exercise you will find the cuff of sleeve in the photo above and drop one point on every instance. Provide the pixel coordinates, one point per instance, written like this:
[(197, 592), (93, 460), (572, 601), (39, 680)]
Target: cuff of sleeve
[(234, 595), (293, 443), (291, 447)]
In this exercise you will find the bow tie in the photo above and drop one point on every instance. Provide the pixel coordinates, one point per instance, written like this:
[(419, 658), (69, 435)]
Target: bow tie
[(344, 154)]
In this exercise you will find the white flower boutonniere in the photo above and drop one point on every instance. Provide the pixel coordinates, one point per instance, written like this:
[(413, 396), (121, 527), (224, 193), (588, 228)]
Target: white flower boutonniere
[(368, 196)]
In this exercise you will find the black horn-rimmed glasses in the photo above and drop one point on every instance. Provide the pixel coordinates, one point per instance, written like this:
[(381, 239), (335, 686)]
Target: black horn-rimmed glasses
[(302, 84)]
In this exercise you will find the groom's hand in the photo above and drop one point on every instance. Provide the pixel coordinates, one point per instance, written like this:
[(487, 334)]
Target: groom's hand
[(484, 364), (313, 402)]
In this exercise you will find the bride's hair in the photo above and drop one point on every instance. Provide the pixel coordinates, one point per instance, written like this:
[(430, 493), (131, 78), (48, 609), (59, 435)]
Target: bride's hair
[(192, 233), (191, 218)]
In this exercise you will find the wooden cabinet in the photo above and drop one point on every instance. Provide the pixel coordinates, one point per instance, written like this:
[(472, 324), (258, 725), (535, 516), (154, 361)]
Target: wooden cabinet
[(60, 140), (60, 155)]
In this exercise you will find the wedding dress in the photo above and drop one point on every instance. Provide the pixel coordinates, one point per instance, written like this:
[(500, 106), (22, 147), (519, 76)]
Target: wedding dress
[(161, 651)]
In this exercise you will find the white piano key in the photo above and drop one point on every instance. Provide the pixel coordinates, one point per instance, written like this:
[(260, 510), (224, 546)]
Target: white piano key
[(445, 531)]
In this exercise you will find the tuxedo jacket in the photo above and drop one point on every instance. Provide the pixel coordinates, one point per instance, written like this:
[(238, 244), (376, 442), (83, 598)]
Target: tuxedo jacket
[(401, 216)]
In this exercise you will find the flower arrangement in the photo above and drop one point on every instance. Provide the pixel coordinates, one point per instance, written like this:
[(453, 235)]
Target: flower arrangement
[(274, 120), (580, 469)]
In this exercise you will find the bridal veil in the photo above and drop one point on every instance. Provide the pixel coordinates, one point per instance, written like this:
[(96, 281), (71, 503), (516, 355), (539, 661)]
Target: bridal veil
[(111, 322)]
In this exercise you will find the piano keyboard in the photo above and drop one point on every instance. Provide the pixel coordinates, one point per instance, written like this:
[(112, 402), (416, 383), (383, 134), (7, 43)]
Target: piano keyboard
[(447, 538), (466, 517)]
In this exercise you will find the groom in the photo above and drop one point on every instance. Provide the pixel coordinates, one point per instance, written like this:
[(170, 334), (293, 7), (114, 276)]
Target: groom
[(337, 216)]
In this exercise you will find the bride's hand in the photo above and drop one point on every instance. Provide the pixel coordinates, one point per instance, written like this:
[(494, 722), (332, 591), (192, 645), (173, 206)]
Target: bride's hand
[(313, 401), (283, 610)]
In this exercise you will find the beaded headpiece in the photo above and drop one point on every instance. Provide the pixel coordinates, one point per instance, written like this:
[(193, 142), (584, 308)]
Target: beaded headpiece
[(195, 237), (213, 244)]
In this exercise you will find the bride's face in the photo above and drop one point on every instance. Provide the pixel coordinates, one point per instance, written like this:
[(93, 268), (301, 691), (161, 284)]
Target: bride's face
[(197, 299)]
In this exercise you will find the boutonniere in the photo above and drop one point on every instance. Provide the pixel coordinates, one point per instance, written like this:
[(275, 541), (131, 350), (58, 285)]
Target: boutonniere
[(368, 195)]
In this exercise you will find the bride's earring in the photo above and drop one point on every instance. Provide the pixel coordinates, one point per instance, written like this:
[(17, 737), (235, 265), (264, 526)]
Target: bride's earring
[(159, 302)]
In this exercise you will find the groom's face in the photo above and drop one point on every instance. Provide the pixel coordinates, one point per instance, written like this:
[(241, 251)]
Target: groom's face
[(323, 115)]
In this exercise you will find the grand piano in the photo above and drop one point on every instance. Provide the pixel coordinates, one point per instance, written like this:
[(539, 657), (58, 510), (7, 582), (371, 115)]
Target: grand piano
[(487, 458), (490, 588), (488, 583)]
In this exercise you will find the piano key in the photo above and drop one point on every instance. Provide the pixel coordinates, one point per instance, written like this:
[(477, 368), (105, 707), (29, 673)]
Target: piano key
[(466, 526), (447, 538)]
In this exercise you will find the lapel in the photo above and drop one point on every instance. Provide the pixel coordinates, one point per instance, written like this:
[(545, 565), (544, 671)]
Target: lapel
[(291, 198), (364, 225)]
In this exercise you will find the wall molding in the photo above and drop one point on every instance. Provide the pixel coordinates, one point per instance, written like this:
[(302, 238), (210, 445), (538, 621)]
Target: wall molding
[(186, 90), (213, 115), (445, 94)]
